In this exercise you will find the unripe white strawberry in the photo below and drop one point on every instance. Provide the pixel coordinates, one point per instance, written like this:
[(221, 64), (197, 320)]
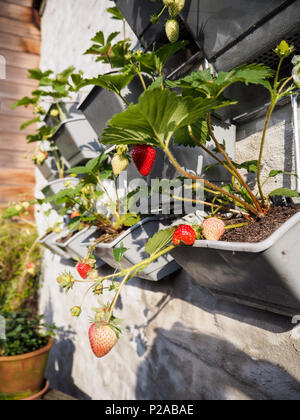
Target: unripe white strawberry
[(119, 164), (169, 2), (213, 229), (172, 30), (176, 7)]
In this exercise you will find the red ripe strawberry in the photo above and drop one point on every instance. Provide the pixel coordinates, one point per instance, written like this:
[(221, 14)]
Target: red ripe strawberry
[(83, 269), (144, 158), (184, 234), (213, 229), (102, 339)]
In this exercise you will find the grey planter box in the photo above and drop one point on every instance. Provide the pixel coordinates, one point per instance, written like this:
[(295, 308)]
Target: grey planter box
[(100, 105), (48, 169), (135, 239), (49, 242), (55, 186), (263, 275), (77, 141), (77, 247), (69, 108)]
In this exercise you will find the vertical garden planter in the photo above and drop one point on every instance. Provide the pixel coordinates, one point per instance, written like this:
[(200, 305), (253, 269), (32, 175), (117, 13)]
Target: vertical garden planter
[(264, 275), (100, 105), (135, 239), (49, 242), (77, 141), (69, 109), (57, 185), (23, 376)]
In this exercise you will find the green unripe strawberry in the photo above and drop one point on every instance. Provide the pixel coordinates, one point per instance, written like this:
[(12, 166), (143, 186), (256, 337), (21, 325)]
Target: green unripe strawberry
[(119, 164), (169, 2), (172, 30)]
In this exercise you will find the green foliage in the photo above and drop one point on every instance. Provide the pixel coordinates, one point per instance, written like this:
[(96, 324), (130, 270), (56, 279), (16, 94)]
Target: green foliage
[(23, 333), (17, 248), (119, 253), (159, 241)]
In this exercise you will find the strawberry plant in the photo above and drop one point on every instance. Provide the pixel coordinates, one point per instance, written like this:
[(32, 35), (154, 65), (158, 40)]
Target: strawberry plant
[(53, 88)]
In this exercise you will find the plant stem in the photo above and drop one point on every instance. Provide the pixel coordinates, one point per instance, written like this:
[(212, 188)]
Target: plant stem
[(236, 172), (61, 113), (142, 80), (261, 151), (244, 204), (236, 226)]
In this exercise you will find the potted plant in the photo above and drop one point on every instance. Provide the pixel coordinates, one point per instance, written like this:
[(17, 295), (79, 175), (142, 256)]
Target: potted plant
[(23, 356)]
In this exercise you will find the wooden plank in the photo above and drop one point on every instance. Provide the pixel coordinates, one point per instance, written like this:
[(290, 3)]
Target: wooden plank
[(17, 43), (28, 30), (17, 177), (12, 141), (27, 3), (5, 109), (19, 76), (15, 193), (14, 159), (54, 395), (11, 124), (18, 59), (15, 11), (13, 90)]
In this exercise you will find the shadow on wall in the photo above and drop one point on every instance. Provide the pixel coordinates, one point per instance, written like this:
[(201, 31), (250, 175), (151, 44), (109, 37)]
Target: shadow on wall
[(181, 286), (61, 359), (186, 365)]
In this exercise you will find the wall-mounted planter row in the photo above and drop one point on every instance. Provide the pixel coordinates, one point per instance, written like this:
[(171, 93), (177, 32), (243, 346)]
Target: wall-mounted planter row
[(135, 239), (77, 141), (69, 110), (55, 186), (264, 275), (49, 242)]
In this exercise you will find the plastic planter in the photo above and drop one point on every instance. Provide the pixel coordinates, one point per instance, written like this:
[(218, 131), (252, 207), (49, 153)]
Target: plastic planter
[(50, 243), (48, 169), (77, 141), (100, 105), (55, 186), (135, 239), (77, 247), (264, 275), (69, 109)]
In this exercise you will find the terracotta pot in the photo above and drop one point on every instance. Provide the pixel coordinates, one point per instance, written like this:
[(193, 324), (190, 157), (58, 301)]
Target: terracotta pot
[(39, 395), (23, 376)]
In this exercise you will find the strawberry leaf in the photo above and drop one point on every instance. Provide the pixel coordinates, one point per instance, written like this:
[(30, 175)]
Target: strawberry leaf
[(159, 241), (284, 192)]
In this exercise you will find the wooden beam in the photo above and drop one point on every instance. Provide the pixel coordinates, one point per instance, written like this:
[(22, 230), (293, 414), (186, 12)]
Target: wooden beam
[(27, 3), (15, 193), (21, 44), (5, 109), (18, 59), (13, 90), (14, 27), (19, 76), (15, 177), (16, 11), (15, 159), (11, 124)]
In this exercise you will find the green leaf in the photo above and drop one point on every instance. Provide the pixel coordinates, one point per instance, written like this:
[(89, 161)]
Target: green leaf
[(26, 101), (28, 123), (128, 220), (38, 74), (156, 117), (115, 12), (159, 241), (284, 192), (114, 83), (199, 130), (119, 253), (274, 173), (250, 166)]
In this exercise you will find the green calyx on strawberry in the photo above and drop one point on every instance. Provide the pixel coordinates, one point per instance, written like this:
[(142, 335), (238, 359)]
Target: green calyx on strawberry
[(185, 235), (144, 158), (172, 30), (66, 281), (213, 229)]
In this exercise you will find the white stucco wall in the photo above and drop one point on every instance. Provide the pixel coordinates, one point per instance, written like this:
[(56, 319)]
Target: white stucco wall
[(179, 340)]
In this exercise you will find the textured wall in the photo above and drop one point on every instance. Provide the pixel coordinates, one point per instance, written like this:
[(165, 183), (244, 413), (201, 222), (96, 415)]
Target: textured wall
[(179, 340)]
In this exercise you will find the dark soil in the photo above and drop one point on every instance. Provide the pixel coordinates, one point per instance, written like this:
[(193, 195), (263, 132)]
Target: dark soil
[(261, 229)]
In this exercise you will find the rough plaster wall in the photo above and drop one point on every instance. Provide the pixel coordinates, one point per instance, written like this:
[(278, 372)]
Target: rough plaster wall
[(179, 341)]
